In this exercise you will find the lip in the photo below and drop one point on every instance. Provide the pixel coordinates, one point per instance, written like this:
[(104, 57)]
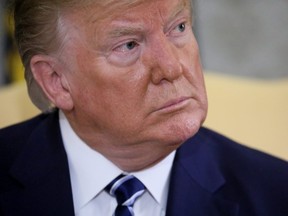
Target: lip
[(175, 104)]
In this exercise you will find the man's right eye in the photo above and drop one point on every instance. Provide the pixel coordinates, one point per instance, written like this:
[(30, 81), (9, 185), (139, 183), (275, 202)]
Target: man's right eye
[(126, 47), (125, 52)]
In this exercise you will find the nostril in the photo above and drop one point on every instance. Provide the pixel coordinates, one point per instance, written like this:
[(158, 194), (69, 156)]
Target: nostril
[(167, 72)]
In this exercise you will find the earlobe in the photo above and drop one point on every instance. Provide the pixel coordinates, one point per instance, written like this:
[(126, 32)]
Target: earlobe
[(52, 80)]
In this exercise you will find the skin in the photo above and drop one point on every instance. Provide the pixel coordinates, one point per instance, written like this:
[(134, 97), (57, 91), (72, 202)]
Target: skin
[(129, 79)]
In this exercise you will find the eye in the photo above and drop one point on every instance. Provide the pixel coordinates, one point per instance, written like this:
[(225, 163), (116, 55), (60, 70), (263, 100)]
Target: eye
[(126, 47), (131, 45), (181, 27), (125, 52), (178, 30)]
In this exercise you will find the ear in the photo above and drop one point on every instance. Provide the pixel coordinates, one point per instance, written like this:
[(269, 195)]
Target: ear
[(52, 81)]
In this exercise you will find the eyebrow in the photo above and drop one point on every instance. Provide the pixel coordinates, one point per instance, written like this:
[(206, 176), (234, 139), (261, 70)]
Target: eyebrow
[(123, 31)]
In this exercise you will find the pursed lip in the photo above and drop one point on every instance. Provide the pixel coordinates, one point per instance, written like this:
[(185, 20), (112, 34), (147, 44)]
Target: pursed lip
[(175, 104)]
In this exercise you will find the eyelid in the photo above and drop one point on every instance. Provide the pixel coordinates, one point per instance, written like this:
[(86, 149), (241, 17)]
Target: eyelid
[(176, 25), (121, 45), (122, 56), (183, 17), (123, 37)]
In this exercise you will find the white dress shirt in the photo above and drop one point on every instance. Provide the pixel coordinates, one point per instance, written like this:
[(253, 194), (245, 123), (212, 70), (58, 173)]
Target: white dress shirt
[(90, 172)]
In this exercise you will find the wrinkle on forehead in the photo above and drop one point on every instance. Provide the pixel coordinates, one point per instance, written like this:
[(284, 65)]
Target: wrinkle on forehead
[(107, 8), (96, 10)]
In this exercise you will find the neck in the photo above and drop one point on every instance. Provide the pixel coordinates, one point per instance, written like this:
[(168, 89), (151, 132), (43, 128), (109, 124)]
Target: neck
[(133, 161), (132, 158)]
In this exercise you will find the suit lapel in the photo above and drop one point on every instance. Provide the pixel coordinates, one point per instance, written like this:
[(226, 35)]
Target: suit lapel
[(42, 185), (195, 179)]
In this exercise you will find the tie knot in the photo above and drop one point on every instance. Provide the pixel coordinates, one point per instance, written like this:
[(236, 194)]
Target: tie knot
[(126, 189)]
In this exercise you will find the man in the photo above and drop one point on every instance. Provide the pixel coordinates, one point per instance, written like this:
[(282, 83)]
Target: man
[(126, 80)]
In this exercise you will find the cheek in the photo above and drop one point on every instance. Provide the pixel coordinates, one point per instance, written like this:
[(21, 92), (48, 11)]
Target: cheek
[(193, 73), (192, 68), (115, 97), (192, 55)]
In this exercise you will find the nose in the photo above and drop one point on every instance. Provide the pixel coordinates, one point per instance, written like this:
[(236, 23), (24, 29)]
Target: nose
[(165, 63)]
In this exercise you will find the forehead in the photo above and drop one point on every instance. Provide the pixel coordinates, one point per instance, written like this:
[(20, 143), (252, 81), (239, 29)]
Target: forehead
[(93, 11), (91, 23)]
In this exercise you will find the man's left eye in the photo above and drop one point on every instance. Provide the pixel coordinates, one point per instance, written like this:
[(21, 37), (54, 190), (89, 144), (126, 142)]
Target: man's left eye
[(181, 27)]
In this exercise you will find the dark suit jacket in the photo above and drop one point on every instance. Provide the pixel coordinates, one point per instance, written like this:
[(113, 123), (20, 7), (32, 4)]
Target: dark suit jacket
[(211, 175)]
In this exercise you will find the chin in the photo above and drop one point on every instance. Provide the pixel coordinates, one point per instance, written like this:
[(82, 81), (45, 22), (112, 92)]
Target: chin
[(182, 129)]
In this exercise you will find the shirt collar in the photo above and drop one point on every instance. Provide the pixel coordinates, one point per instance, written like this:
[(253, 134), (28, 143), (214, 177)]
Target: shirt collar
[(88, 170), (156, 179)]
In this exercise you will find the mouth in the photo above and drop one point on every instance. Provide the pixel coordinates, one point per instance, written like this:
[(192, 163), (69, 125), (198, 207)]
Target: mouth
[(175, 104)]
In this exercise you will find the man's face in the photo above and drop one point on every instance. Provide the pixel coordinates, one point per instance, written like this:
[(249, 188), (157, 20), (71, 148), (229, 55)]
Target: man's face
[(134, 73)]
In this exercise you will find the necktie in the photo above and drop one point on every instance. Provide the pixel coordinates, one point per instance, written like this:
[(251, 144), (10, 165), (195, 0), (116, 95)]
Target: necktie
[(126, 189)]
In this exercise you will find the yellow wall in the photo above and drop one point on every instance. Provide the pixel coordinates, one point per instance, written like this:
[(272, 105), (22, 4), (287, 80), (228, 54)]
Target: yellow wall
[(251, 111)]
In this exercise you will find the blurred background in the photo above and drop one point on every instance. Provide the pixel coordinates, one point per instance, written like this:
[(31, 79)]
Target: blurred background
[(244, 37), (11, 69), (244, 50)]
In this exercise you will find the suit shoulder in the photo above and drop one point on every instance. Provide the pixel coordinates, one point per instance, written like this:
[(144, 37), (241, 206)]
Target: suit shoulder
[(256, 180), (232, 150), (14, 138), (240, 160), (20, 130)]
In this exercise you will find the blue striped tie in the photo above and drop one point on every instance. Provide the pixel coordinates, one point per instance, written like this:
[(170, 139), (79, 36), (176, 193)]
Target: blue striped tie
[(126, 189)]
